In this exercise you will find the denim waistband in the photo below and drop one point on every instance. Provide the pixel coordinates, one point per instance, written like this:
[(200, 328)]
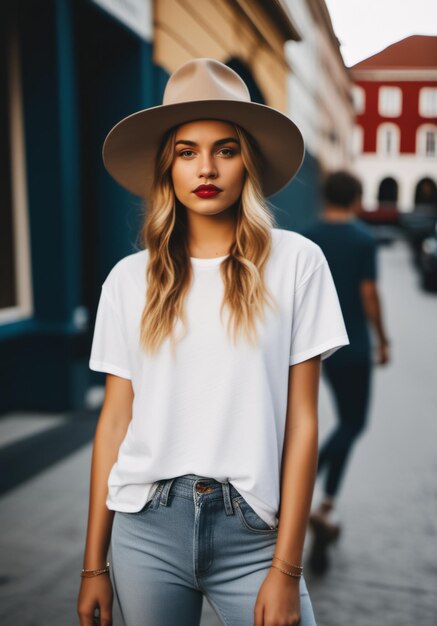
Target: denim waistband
[(186, 486)]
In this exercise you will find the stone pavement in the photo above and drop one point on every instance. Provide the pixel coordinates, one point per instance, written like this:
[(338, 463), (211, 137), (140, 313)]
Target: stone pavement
[(385, 566), (384, 570)]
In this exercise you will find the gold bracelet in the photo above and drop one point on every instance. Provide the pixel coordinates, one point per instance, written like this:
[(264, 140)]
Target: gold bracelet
[(89, 573), (299, 567), (286, 572)]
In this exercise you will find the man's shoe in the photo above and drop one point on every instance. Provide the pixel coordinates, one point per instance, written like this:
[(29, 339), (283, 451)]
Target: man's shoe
[(324, 532), (318, 559), (324, 527)]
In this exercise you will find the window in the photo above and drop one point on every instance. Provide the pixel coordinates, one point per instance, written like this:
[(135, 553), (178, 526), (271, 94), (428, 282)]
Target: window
[(430, 143), (428, 102), (15, 267), (388, 139), (359, 99), (357, 140), (8, 294), (426, 143), (390, 101)]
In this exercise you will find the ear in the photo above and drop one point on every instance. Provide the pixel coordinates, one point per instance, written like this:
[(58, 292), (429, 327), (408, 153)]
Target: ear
[(357, 205)]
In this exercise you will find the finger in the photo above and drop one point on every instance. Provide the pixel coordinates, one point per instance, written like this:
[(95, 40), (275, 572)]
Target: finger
[(106, 619), (258, 615)]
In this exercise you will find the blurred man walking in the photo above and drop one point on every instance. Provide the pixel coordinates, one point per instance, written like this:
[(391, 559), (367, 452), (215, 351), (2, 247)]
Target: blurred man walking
[(351, 251)]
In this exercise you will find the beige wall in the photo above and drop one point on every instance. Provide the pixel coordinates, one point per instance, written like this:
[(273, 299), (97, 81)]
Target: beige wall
[(319, 86), (222, 29), (335, 108)]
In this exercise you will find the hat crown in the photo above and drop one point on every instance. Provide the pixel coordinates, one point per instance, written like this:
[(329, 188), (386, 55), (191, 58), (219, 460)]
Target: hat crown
[(204, 79)]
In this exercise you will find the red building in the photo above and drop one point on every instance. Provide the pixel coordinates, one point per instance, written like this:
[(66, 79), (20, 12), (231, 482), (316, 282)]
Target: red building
[(395, 137)]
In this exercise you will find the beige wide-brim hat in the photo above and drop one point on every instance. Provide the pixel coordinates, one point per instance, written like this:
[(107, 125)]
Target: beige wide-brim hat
[(202, 89)]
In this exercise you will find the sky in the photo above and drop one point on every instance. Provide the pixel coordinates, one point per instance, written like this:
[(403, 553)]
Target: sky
[(365, 27)]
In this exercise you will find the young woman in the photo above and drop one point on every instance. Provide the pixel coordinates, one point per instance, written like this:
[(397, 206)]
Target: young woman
[(211, 336)]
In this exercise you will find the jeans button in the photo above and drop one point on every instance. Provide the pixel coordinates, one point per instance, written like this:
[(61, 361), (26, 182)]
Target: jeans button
[(202, 488)]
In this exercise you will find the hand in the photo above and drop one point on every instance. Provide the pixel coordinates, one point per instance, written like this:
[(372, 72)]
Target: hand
[(95, 593), (278, 600), (382, 353)]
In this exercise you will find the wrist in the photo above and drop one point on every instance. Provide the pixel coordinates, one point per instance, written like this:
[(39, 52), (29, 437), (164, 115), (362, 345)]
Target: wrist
[(94, 559), (283, 577), (295, 568), (93, 572), (93, 565), (285, 568)]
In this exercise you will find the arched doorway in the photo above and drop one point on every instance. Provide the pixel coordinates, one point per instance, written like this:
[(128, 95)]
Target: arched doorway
[(388, 191), (426, 193)]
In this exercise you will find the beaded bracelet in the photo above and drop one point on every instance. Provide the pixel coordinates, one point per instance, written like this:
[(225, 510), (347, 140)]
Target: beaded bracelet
[(286, 572), (89, 573)]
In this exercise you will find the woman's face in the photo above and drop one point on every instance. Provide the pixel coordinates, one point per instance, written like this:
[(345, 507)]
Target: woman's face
[(207, 171)]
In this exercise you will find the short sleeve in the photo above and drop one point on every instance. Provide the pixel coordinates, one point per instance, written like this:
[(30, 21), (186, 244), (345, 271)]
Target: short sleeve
[(109, 350), (369, 261), (318, 326)]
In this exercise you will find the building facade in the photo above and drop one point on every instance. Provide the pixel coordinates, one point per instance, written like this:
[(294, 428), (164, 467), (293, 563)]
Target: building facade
[(70, 69), (395, 137), (319, 90)]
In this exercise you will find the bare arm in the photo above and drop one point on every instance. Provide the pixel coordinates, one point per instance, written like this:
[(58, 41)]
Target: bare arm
[(299, 459), (111, 428), (279, 595), (373, 310)]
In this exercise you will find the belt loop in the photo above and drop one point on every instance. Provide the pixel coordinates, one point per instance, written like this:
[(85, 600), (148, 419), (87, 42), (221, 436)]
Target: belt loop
[(165, 491), (227, 498)]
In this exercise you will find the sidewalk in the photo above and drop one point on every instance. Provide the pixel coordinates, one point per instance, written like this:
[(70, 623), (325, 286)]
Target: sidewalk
[(385, 565)]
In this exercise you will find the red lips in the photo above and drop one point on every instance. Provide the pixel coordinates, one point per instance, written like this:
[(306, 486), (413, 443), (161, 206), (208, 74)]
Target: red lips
[(207, 191)]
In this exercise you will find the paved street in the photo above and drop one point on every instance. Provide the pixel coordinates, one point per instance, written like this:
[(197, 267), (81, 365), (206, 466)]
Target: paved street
[(384, 570)]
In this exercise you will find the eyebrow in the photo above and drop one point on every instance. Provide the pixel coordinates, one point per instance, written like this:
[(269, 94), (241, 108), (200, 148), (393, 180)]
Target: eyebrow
[(219, 142)]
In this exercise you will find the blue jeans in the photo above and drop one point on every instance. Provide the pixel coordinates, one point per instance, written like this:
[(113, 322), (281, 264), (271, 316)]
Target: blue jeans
[(350, 384), (195, 537)]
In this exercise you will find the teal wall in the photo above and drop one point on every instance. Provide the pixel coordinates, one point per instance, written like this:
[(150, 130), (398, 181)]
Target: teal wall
[(82, 71), (297, 205)]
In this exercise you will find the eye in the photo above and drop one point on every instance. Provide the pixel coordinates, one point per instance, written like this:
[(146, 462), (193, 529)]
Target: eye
[(227, 152), (186, 153)]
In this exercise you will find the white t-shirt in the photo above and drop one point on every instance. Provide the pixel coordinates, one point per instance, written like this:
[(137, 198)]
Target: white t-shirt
[(216, 410)]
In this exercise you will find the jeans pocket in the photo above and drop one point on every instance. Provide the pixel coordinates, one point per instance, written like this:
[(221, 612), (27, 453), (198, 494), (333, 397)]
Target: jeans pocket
[(249, 518), (153, 502)]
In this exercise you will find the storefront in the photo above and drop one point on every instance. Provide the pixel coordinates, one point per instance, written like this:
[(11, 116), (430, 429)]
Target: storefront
[(71, 70)]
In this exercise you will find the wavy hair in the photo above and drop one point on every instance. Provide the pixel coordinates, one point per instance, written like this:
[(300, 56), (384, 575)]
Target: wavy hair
[(169, 272)]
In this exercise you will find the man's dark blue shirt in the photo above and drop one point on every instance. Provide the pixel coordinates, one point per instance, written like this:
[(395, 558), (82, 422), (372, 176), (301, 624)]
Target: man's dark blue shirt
[(351, 252)]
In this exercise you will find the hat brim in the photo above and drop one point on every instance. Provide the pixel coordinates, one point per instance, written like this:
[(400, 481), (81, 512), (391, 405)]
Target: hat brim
[(130, 147)]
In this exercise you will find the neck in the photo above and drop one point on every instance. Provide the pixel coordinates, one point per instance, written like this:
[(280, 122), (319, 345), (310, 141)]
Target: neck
[(333, 213), (210, 235)]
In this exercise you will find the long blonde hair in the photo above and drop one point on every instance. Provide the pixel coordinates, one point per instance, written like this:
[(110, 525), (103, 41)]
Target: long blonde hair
[(169, 271)]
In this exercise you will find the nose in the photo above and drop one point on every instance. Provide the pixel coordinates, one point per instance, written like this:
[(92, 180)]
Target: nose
[(208, 168)]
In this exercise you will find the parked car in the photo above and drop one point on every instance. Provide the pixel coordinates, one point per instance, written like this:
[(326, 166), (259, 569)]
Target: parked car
[(383, 222), (418, 225), (384, 214), (428, 262)]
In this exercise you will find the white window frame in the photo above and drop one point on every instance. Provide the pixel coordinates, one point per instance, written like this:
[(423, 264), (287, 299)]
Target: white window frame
[(357, 140), (359, 99), (428, 102), (381, 139), (23, 308), (421, 140), (390, 101)]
